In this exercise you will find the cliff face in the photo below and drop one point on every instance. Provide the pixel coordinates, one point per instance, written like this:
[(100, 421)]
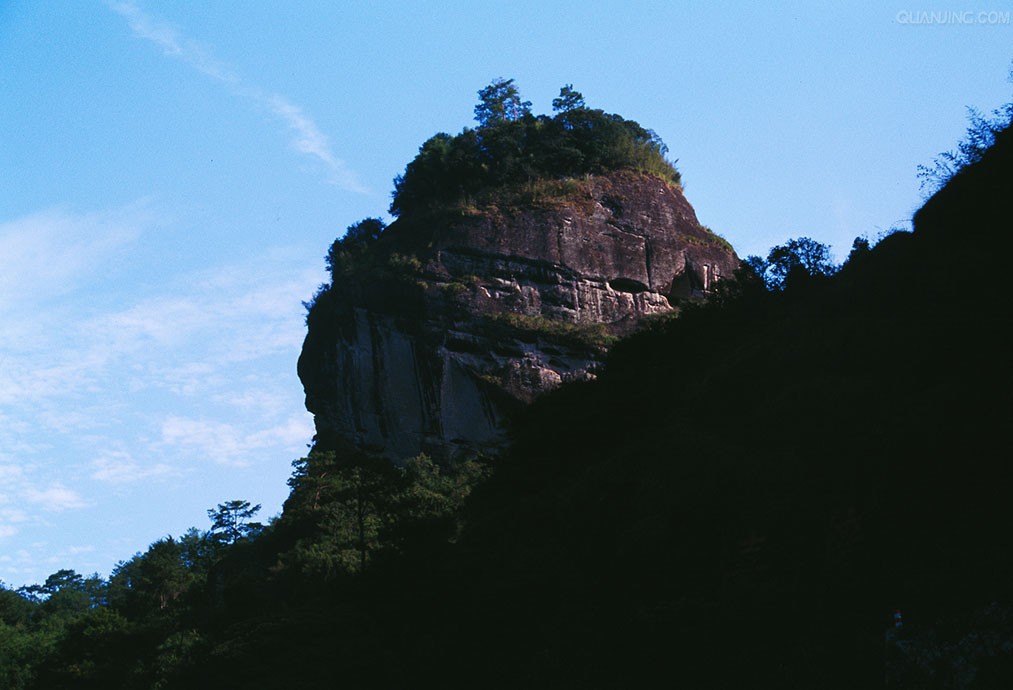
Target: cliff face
[(473, 314)]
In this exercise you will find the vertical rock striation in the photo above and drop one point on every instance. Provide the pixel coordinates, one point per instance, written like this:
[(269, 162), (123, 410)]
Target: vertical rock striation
[(460, 318)]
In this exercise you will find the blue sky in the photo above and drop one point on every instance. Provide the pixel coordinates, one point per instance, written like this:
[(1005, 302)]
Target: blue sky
[(171, 175)]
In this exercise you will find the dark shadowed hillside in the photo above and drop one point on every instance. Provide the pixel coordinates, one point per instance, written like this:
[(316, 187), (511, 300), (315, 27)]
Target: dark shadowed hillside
[(742, 497)]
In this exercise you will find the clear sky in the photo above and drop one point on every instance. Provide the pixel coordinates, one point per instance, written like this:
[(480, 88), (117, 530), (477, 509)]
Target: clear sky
[(171, 175)]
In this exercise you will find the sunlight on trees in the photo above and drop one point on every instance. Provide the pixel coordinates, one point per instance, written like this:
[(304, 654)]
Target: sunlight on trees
[(513, 147), (500, 102), (568, 100), (230, 521)]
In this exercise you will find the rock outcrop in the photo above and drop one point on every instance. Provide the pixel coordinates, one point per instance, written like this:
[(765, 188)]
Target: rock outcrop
[(456, 319)]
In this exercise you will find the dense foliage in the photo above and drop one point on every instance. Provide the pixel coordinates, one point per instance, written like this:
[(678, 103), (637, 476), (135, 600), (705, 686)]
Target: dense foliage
[(182, 613), (798, 259), (512, 146)]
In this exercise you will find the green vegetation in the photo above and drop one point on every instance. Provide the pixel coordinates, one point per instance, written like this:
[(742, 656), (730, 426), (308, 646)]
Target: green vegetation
[(402, 264), (230, 521), (797, 260), (345, 256), (713, 238), (500, 102), (539, 193), (512, 147), (979, 138), (531, 327), (168, 617), (348, 509)]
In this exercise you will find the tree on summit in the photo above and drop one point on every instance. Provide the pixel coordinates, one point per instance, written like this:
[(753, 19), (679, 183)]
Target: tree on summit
[(802, 256), (356, 240), (500, 102), (511, 146), (568, 100), (230, 522)]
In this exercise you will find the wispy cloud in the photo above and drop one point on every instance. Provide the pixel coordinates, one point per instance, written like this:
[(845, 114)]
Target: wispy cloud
[(25, 563), (54, 265), (119, 467), (47, 253), (172, 43), (311, 141), (257, 302), (9, 519), (228, 444), (109, 385), (67, 346), (308, 139), (56, 498), (9, 473)]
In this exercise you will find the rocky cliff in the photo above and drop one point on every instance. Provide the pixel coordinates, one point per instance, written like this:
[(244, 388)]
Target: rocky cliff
[(452, 320)]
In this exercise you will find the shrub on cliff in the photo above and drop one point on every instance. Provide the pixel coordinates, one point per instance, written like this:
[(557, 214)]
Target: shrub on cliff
[(982, 131), (357, 239)]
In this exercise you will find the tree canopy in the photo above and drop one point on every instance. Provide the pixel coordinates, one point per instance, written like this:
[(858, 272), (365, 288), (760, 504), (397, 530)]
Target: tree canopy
[(500, 102), (798, 258), (568, 99), (230, 521), (511, 146), (356, 240)]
